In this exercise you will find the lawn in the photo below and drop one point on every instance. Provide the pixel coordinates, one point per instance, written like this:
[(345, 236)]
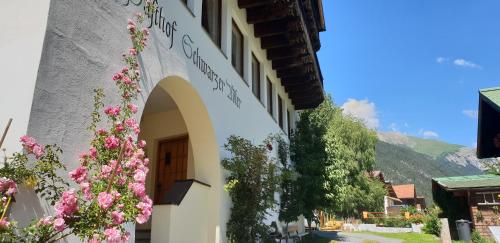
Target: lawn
[(409, 237)]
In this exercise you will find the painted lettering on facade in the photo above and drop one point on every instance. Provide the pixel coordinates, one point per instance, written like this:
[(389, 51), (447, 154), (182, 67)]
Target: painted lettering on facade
[(169, 28)]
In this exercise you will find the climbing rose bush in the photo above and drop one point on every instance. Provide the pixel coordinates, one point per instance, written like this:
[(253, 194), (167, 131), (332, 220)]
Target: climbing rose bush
[(110, 180)]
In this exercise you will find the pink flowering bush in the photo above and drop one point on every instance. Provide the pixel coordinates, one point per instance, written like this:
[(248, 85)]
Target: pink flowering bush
[(110, 180)]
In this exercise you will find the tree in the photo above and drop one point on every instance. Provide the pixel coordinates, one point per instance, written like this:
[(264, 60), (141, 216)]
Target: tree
[(350, 149), (331, 154), (308, 155), (289, 205), (251, 183)]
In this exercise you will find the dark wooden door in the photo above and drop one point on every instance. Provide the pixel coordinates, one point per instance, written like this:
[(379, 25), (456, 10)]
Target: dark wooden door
[(171, 164)]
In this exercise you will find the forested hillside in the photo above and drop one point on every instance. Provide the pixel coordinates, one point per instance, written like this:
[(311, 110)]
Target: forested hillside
[(405, 159)]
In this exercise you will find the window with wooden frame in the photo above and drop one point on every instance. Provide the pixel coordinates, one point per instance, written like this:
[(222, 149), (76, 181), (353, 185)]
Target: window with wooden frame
[(211, 19), (237, 49), (488, 198), (270, 97), (256, 77), (281, 122)]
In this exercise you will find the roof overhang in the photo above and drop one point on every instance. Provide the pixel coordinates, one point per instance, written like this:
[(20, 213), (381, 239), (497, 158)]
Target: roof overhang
[(289, 32), (461, 183), (488, 123)]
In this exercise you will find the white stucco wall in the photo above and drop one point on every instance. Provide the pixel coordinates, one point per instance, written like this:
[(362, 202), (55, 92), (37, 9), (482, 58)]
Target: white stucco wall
[(185, 222), (23, 30), (83, 45)]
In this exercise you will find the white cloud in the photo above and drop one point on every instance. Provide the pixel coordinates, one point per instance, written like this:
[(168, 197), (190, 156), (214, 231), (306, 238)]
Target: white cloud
[(464, 63), (470, 113), (427, 134), (394, 127), (363, 110), (441, 60)]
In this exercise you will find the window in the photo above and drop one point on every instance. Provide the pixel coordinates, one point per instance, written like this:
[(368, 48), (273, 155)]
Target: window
[(280, 112), (488, 198), (256, 77), (270, 97), (289, 122), (237, 49), (210, 19)]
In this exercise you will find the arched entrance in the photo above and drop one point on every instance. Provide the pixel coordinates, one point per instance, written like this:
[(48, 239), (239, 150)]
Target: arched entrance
[(185, 177)]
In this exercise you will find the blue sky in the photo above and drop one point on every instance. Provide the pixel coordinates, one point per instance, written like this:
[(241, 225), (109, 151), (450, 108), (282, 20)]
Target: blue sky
[(413, 66)]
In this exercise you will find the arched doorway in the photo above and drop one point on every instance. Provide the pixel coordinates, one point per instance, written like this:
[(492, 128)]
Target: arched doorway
[(185, 177)]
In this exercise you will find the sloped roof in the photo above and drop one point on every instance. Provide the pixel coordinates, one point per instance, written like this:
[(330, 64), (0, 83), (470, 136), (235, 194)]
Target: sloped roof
[(488, 118), (465, 182), (404, 191), (492, 94)]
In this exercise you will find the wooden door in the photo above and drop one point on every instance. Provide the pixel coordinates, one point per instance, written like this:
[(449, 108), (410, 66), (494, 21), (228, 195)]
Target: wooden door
[(171, 165)]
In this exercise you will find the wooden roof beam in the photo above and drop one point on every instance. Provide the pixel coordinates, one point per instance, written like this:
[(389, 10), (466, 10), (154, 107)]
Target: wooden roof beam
[(284, 52), (266, 13), (253, 3), (291, 72), (273, 28)]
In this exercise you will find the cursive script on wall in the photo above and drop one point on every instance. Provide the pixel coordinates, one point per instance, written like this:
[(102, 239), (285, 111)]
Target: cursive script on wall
[(191, 52)]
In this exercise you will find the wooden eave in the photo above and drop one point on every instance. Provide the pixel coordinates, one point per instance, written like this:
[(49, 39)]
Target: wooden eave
[(289, 32)]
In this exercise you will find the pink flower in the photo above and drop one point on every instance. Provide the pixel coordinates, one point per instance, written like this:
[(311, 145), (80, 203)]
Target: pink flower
[(141, 219), (67, 204), (59, 224), (111, 142), (118, 126), (127, 80), (27, 141), (117, 217), (7, 186), (93, 152), (79, 174), (102, 131), (112, 111), (38, 151), (133, 124), (141, 143), (45, 221), (132, 51), (145, 31), (131, 25), (132, 108), (139, 176), (117, 76), (146, 207), (31, 146), (138, 189), (124, 69), (106, 171), (4, 223), (86, 190), (112, 235), (104, 200)]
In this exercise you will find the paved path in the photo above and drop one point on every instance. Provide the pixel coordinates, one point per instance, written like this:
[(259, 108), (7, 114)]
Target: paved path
[(355, 237)]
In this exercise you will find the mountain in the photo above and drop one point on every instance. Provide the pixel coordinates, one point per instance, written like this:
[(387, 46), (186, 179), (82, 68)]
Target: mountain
[(406, 159)]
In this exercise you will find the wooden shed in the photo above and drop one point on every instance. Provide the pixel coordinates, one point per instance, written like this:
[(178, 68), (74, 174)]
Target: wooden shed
[(475, 198)]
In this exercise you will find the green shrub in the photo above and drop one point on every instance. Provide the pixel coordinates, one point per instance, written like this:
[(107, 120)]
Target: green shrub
[(432, 224), (477, 238)]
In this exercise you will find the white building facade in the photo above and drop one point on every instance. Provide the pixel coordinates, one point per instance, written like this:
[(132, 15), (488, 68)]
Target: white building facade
[(212, 68)]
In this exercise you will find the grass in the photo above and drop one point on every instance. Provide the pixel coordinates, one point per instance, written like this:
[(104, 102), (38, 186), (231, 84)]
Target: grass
[(409, 237)]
